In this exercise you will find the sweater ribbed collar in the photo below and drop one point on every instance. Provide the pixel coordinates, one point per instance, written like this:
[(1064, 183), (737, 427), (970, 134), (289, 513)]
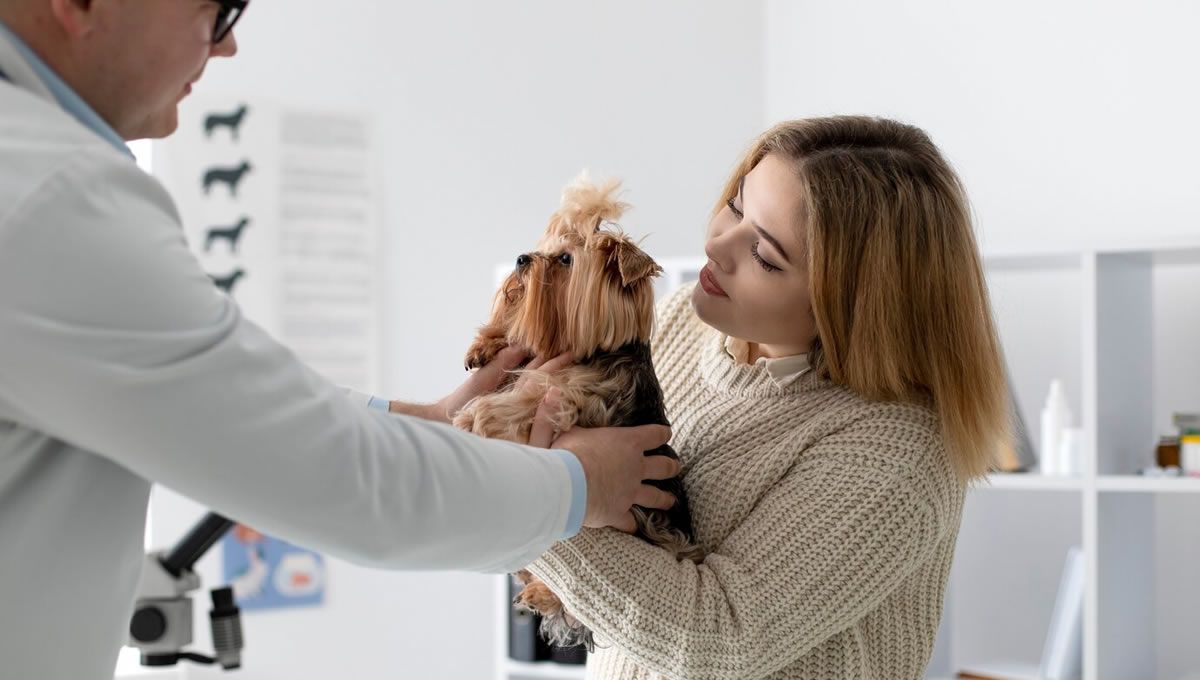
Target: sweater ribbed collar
[(721, 371)]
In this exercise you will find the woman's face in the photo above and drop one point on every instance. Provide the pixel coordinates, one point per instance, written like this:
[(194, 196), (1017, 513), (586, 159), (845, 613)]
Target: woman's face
[(755, 285)]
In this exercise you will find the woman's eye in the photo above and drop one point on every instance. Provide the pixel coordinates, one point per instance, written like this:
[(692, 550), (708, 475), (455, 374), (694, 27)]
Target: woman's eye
[(761, 262), (733, 208), (565, 259)]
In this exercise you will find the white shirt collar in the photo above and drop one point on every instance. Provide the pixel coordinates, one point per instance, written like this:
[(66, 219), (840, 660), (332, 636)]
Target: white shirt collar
[(783, 370)]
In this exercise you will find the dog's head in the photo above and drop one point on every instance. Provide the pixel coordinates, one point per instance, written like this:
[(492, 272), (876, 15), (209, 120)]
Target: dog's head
[(587, 287)]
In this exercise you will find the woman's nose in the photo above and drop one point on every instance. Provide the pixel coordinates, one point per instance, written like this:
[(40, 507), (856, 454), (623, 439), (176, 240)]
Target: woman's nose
[(717, 250)]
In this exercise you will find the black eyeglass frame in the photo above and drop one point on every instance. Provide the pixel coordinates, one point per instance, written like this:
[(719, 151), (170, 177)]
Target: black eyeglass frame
[(229, 14)]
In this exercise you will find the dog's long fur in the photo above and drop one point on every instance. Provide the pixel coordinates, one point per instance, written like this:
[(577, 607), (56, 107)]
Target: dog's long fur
[(587, 289)]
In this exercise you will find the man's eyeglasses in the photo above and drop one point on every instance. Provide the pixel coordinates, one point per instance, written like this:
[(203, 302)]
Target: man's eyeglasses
[(227, 16)]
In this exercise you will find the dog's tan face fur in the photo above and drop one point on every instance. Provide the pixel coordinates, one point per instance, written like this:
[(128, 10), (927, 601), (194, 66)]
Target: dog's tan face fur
[(586, 288)]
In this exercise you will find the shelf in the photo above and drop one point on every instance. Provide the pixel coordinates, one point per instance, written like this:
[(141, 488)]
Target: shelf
[(1006, 573), (1105, 483), (1136, 484), (543, 669), (1029, 482)]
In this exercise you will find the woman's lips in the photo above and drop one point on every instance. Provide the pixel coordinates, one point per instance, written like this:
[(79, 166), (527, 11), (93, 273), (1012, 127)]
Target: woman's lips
[(709, 283)]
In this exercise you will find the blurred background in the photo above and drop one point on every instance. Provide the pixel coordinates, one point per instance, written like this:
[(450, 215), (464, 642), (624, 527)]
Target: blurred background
[(1072, 124)]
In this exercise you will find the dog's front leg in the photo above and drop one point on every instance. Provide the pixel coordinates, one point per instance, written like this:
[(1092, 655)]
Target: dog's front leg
[(487, 345), (537, 596)]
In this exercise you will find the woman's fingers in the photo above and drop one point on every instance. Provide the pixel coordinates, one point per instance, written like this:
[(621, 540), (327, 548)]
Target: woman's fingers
[(543, 433)]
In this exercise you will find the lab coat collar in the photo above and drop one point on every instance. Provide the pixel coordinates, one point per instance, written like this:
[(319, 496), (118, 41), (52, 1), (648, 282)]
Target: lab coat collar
[(28, 72)]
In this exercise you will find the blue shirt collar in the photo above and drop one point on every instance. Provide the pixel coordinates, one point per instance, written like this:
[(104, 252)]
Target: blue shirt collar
[(66, 97)]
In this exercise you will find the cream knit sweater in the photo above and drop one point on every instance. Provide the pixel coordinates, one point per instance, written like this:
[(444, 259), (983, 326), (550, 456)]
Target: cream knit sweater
[(829, 524)]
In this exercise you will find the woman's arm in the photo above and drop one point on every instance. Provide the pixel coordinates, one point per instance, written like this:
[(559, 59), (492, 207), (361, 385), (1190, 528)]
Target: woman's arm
[(826, 545)]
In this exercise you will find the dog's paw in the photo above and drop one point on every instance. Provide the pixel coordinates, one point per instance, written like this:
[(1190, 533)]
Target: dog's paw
[(538, 597), (482, 351), (464, 420)]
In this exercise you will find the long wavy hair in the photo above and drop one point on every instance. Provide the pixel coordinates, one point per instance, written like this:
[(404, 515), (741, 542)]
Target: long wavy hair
[(897, 283)]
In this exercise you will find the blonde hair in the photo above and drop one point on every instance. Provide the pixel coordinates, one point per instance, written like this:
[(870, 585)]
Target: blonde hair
[(897, 284)]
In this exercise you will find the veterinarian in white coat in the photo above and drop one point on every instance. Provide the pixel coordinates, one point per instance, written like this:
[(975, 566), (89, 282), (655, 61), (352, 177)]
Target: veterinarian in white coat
[(121, 365)]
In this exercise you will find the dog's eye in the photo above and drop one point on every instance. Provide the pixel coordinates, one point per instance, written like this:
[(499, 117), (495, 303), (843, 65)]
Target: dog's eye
[(523, 261), (565, 259)]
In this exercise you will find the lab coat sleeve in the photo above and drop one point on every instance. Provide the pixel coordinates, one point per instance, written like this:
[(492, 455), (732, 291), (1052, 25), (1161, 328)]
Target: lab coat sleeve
[(113, 339)]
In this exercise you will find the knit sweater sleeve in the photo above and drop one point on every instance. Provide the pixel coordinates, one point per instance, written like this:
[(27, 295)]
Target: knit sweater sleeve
[(822, 549)]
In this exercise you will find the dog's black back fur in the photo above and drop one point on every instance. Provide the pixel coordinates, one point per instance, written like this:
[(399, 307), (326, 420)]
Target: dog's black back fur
[(647, 408)]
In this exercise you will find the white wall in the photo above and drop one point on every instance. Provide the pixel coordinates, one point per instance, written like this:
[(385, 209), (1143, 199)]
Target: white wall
[(1069, 120), (483, 111), (494, 106)]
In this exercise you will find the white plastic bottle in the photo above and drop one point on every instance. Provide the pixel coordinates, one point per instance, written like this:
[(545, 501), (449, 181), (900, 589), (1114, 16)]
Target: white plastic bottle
[(1056, 417)]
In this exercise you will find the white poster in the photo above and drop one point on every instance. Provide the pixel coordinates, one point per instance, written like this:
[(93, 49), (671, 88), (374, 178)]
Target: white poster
[(281, 208)]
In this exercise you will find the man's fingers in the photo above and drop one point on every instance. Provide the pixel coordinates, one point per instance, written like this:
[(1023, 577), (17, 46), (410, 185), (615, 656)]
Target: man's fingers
[(627, 523), (651, 436), (558, 363), (488, 378), (542, 432), (659, 467), (509, 358), (653, 497)]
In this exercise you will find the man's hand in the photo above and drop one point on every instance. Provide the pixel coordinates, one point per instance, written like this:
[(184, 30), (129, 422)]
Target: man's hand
[(615, 464), (481, 381)]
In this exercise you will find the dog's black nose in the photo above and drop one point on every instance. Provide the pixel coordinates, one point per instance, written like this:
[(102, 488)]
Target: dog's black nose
[(523, 261)]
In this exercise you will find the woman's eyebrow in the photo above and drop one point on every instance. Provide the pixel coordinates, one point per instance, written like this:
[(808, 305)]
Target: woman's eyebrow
[(771, 239), (763, 232)]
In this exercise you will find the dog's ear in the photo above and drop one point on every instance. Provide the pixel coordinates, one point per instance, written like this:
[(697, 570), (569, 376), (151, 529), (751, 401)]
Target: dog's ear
[(632, 263)]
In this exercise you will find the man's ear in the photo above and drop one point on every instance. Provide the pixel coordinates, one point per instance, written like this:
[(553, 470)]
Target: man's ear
[(77, 18)]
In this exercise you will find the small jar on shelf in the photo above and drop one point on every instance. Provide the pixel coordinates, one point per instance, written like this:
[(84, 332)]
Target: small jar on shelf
[(1189, 442), (1166, 454)]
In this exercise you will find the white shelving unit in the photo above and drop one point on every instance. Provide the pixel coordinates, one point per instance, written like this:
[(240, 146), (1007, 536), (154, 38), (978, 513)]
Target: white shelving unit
[(1118, 324), (1112, 323)]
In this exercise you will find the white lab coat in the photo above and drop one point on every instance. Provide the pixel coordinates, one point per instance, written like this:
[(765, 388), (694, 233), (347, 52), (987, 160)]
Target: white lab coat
[(122, 365)]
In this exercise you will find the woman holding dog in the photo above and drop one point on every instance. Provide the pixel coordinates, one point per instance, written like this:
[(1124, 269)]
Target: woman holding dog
[(835, 383)]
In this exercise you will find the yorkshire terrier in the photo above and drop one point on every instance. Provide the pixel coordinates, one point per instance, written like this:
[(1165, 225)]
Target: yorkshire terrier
[(587, 289)]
